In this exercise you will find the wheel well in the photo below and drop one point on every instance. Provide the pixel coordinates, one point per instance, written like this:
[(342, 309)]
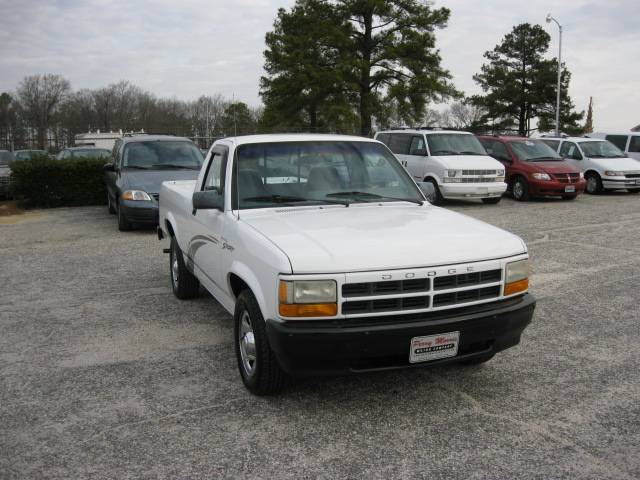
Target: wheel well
[(592, 172), (237, 285), (169, 228), (429, 178)]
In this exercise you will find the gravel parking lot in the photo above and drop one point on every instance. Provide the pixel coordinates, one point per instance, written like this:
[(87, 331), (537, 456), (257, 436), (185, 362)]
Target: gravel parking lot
[(104, 374)]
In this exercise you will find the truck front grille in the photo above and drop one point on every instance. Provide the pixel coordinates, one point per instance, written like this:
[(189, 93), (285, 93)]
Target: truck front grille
[(421, 293)]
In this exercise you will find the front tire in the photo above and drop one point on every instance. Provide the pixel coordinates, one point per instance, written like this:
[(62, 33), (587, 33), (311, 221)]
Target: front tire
[(520, 190), (183, 283), (259, 368), (594, 183), (492, 200), (439, 199), (112, 209)]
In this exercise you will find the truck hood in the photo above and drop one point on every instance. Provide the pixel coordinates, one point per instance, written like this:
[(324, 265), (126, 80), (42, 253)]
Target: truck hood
[(469, 162), (617, 164), (379, 237), (150, 181)]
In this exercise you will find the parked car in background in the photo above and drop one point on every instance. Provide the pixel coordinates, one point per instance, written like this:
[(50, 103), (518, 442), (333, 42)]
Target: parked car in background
[(454, 162), (27, 154), (628, 142), (6, 157), (331, 261), (88, 152), (533, 169), (139, 164), (604, 165)]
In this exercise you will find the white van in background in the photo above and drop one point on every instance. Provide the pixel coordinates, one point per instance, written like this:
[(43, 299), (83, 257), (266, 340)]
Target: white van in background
[(454, 162), (604, 165), (628, 142)]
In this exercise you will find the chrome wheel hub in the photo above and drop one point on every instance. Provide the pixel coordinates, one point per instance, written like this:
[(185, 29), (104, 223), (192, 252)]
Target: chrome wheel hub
[(247, 344), (592, 184), (174, 271), (518, 190)]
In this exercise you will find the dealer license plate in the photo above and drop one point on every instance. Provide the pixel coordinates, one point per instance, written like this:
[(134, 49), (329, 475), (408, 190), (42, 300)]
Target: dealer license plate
[(570, 189), (434, 347)]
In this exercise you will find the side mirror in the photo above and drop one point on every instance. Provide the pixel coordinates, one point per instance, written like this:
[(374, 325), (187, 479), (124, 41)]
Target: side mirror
[(428, 190), (208, 200), (420, 152), (109, 167)]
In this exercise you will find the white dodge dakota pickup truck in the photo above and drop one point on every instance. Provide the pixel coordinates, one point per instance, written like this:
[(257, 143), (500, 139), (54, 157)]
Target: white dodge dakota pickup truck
[(330, 260)]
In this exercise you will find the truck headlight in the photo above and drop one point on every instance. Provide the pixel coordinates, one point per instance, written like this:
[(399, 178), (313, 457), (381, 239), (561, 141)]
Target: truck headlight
[(308, 298), (516, 277), (541, 176), (452, 176), (135, 195), (610, 173)]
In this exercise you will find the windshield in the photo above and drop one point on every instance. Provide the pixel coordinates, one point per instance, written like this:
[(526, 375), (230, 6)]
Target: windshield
[(454, 144), (323, 172), (27, 154), (162, 155), (5, 157), (90, 153), (533, 150), (603, 149)]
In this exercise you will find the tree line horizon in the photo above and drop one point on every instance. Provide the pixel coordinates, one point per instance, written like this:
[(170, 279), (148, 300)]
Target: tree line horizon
[(344, 66)]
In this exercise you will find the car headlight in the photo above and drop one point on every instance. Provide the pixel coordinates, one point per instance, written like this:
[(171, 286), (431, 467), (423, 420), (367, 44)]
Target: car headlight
[(452, 176), (308, 298), (135, 195), (611, 173), (516, 277), (499, 173), (454, 173), (541, 176)]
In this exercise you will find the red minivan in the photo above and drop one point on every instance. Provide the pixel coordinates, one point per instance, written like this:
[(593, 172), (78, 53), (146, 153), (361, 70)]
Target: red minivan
[(533, 169)]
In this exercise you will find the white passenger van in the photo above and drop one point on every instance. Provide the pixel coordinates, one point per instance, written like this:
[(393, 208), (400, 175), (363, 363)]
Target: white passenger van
[(454, 162), (628, 142), (604, 165)]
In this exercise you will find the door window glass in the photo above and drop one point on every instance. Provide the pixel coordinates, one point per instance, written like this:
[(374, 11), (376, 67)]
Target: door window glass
[(619, 141), (215, 176), (417, 143), (570, 150), (399, 143), (634, 145)]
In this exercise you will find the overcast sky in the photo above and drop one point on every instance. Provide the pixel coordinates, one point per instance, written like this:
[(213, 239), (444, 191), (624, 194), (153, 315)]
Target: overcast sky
[(192, 47)]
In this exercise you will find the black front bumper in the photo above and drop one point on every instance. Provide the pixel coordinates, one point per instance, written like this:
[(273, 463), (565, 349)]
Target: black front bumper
[(356, 345), (140, 212)]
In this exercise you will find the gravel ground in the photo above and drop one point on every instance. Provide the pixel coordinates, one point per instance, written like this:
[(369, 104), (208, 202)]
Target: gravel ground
[(104, 374)]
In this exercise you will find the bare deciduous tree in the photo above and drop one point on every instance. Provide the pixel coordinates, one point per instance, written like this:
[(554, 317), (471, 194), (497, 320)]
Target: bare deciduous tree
[(40, 96)]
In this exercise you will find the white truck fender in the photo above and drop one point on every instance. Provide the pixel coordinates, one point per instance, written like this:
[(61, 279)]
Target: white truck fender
[(248, 277)]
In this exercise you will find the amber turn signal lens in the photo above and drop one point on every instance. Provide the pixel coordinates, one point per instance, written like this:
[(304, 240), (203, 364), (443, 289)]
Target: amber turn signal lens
[(308, 310), (516, 287)]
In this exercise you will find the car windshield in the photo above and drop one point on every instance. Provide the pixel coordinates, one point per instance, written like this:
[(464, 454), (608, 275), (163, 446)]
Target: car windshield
[(5, 157), (454, 144), (533, 151), (603, 149), (321, 172), (27, 154), (161, 154), (90, 153)]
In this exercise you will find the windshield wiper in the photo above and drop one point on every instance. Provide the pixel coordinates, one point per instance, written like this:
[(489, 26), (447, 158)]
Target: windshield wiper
[(174, 166), (373, 195), (444, 152), (291, 199), (545, 159), (137, 167), (470, 153)]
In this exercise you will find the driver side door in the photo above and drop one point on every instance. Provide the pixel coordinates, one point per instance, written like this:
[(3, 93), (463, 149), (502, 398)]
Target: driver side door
[(206, 242)]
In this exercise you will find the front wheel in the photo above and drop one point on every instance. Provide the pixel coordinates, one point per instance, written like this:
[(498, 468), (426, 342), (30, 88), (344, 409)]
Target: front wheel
[(520, 189), (594, 183), (260, 371), (438, 199), (491, 201), (183, 283)]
